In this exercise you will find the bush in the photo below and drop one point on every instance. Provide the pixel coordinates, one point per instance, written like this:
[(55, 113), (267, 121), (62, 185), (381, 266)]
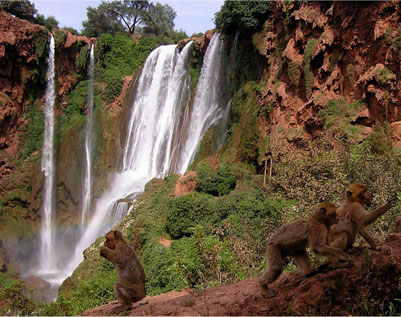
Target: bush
[(187, 211), (161, 270), (215, 182)]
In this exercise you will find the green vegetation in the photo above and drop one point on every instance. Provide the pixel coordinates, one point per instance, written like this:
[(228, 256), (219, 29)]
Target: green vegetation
[(294, 73), (242, 16), (118, 56), (384, 75), (23, 9), (32, 132), (74, 112), (49, 22), (310, 46), (338, 116), (120, 16), (393, 38)]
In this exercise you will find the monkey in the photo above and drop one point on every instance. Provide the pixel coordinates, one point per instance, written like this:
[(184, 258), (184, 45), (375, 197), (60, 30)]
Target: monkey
[(353, 218), (130, 285), (292, 239)]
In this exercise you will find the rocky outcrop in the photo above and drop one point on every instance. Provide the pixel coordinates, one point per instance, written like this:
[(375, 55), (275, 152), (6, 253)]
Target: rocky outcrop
[(316, 52), (185, 184), (366, 289)]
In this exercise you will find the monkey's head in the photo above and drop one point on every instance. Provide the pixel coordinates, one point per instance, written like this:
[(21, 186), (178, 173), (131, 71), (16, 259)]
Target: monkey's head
[(112, 238), (358, 193), (325, 213)]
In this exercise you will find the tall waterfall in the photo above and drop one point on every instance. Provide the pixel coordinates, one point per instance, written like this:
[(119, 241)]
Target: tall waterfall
[(47, 258), (87, 189), (161, 136), (211, 105), (162, 93)]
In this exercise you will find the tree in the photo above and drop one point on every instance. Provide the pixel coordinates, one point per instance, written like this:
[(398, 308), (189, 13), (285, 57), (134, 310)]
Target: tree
[(23, 9), (244, 16), (50, 22), (128, 12), (100, 22), (159, 19)]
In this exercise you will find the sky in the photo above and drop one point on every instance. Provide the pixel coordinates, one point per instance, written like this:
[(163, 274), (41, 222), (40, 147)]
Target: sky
[(193, 16)]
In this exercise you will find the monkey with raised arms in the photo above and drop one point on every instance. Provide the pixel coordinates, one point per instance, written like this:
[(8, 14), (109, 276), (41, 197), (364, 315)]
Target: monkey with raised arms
[(353, 218), (130, 286)]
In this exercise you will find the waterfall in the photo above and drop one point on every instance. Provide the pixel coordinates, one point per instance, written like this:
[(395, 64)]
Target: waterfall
[(211, 106), (47, 258), (163, 132), (163, 93), (87, 189)]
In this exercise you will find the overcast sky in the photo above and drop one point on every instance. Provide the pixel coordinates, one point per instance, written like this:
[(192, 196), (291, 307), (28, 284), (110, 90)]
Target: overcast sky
[(193, 16)]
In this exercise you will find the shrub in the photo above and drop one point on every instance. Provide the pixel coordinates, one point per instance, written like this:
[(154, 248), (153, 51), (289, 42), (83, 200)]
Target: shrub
[(187, 211), (162, 274), (215, 182)]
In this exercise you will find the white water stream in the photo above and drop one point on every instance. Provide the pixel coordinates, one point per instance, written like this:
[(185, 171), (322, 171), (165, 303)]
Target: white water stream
[(89, 133), (47, 257)]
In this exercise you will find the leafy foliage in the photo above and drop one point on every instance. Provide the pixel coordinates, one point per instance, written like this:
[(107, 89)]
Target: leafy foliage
[(159, 19), (129, 13), (243, 16), (99, 22), (338, 116), (23, 9), (119, 56), (186, 211), (32, 132), (49, 22)]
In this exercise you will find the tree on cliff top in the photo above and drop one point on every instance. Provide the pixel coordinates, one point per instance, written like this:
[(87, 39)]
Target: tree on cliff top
[(242, 16), (159, 19), (100, 22), (23, 9), (129, 13), (120, 16)]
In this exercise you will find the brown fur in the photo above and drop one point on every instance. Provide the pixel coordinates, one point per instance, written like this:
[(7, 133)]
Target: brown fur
[(353, 218), (130, 286), (292, 239)]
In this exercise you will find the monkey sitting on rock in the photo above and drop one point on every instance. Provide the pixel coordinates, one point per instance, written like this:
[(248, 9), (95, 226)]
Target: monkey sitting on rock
[(130, 286), (353, 218), (292, 239)]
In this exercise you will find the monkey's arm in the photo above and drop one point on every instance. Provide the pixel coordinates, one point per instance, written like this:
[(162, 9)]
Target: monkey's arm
[(373, 215), (109, 254), (369, 239)]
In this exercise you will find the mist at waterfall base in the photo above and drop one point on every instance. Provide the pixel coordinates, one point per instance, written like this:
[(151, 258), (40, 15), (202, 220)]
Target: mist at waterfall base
[(163, 134)]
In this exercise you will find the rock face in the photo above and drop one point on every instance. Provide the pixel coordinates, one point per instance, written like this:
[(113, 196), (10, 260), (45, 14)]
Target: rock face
[(23, 66), (365, 289), (321, 51)]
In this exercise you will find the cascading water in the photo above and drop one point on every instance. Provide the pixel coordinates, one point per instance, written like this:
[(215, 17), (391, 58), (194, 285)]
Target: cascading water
[(161, 136), (87, 189), (47, 258), (210, 106), (163, 92)]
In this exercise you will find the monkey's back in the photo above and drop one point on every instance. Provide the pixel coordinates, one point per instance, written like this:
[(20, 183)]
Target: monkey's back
[(292, 236), (130, 270)]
